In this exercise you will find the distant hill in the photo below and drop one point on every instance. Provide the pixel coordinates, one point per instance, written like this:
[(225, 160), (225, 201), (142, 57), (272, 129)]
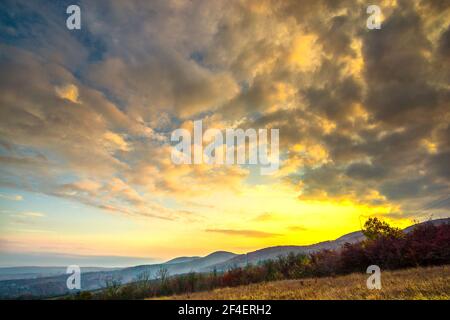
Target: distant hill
[(56, 285), (14, 273), (183, 259), (435, 222), (273, 252), (220, 260), (212, 258)]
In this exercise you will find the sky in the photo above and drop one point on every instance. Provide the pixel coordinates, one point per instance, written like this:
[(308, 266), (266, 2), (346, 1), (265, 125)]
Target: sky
[(86, 117)]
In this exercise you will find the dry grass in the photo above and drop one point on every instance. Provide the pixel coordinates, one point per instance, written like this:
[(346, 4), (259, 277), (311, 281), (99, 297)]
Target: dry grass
[(418, 283)]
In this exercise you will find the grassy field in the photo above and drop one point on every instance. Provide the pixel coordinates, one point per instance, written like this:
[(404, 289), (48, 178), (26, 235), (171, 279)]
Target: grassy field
[(418, 283)]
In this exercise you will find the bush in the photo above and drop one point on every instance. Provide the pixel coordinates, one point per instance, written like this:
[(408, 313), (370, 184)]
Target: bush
[(428, 245), (325, 263)]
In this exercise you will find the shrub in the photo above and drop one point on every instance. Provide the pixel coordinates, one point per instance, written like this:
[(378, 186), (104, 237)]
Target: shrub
[(325, 263), (428, 245)]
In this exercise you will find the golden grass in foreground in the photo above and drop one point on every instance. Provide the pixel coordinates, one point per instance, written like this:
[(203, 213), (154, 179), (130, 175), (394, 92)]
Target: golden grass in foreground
[(418, 283)]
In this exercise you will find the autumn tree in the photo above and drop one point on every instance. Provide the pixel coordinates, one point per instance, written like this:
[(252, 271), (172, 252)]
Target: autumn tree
[(374, 228)]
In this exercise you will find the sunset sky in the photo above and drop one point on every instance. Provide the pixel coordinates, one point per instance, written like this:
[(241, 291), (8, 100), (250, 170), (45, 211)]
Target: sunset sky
[(86, 116)]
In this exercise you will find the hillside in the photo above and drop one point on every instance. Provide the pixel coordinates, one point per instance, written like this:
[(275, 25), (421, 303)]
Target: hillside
[(418, 283), (182, 259), (219, 260), (16, 273), (273, 252), (56, 285)]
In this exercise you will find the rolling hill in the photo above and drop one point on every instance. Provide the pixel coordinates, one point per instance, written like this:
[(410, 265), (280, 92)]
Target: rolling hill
[(220, 260), (15, 273)]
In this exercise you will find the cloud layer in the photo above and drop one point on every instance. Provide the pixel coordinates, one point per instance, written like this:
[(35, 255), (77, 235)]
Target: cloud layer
[(363, 114)]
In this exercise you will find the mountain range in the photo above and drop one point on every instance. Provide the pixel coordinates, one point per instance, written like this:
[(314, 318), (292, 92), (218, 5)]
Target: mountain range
[(95, 278)]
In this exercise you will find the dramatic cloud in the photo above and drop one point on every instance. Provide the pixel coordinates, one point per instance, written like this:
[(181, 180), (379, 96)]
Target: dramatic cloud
[(364, 115)]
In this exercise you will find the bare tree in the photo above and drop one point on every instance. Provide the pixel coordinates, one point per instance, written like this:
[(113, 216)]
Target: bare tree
[(112, 286), (162, 274), (143, 280)]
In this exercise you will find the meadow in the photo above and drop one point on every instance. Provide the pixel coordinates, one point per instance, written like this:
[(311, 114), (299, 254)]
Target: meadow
[(416, 283)]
